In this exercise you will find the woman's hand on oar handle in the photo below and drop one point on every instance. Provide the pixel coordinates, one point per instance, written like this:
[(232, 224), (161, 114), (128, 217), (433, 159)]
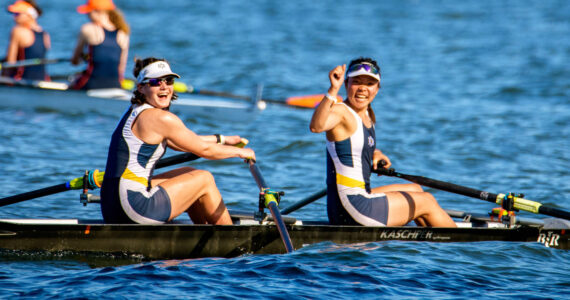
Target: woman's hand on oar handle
[(384, 170), (380, 162), (248, 155), (239, 142)]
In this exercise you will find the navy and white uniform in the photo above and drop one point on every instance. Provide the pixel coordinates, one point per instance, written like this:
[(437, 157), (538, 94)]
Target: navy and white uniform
[(126, 194), (103, 66), (349, 163), (35, 50)]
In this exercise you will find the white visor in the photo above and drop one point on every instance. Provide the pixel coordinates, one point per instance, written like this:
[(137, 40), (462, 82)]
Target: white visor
[(362, 71), (156, 69), (33, 13)]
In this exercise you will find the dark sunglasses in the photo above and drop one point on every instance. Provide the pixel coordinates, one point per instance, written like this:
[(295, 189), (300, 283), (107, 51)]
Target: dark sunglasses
[(158, 81), (366, 66)]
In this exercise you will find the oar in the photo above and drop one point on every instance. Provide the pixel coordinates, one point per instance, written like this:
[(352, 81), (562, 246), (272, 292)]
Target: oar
[(309, 101), (515, 201), (33, 62), (95, 177), (271, 203), (314, 197), (50, 85)]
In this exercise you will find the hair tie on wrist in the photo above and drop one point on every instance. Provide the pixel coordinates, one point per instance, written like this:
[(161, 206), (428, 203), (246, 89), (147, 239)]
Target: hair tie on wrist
[(218, 138), (333, 99)]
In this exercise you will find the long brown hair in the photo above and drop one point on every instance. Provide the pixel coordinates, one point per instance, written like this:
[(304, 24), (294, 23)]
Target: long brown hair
[(116, 17), (375, 64), (138, 97)]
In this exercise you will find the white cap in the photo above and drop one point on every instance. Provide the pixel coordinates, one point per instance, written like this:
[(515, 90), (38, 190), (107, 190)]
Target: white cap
[(363, 71), (156, 69)]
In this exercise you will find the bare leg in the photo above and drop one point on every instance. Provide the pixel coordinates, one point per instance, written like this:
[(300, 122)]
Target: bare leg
[(410, 187), (187, 186), (419, 206), (196, 213)]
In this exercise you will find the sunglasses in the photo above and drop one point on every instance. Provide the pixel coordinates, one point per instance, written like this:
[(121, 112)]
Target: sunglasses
[(366, 66), (158, 81)]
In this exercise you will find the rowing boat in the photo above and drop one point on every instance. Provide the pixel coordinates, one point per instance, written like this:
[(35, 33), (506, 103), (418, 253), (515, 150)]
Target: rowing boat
[(27, 94), (259, 232), (249, 235)]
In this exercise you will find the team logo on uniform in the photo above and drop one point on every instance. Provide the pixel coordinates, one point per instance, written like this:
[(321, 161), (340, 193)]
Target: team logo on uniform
[(370, 141), (161, 65)]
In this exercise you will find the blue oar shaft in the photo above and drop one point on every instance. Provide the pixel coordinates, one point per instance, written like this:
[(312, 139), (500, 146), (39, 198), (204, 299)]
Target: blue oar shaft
[(281, 226), (262, 185)]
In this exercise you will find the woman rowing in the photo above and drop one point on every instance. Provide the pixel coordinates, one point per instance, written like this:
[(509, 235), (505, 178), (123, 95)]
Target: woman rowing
[(130, 193), (106, 38), (352, 154), (28, 40)]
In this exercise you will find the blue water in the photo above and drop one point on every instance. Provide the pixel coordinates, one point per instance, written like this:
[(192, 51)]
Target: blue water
[(474, 92)]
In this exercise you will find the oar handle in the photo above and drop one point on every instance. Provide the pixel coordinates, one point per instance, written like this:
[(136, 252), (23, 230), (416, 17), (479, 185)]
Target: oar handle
[(176, 159), (256, 173)]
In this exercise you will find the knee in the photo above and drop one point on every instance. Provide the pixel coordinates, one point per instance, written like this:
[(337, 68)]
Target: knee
[(416, 187), (206, 177), (428, 200)]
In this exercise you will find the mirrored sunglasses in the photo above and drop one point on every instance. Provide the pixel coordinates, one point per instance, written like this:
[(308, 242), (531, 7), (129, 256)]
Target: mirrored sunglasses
[(158, 81), (366, 66)]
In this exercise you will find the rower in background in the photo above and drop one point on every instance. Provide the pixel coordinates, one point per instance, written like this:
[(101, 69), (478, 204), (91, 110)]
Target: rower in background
[(28, 40), (106, 39)]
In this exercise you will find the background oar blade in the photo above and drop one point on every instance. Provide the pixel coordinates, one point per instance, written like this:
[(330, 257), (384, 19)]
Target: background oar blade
[(310, 101)]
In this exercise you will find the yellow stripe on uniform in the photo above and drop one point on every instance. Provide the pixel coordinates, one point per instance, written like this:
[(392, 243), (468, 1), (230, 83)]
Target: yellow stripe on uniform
[(349, 182), (129, 175)]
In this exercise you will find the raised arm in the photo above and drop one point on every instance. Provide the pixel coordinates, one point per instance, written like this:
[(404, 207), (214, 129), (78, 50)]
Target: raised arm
[(327, 115)]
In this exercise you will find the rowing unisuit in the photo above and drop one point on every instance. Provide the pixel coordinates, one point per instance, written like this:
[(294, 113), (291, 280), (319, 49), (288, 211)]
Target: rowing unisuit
[(349, 162), (36, 50), (126, 194), (103, 65)]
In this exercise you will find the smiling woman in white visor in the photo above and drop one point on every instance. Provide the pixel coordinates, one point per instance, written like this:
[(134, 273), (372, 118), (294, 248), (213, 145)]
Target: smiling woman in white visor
[(130, 192), (352, 154)]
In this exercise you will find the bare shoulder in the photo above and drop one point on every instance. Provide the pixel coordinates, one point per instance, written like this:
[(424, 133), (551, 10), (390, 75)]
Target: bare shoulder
[(92, 33), (160, 116), (18, 31), (123, 39)]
